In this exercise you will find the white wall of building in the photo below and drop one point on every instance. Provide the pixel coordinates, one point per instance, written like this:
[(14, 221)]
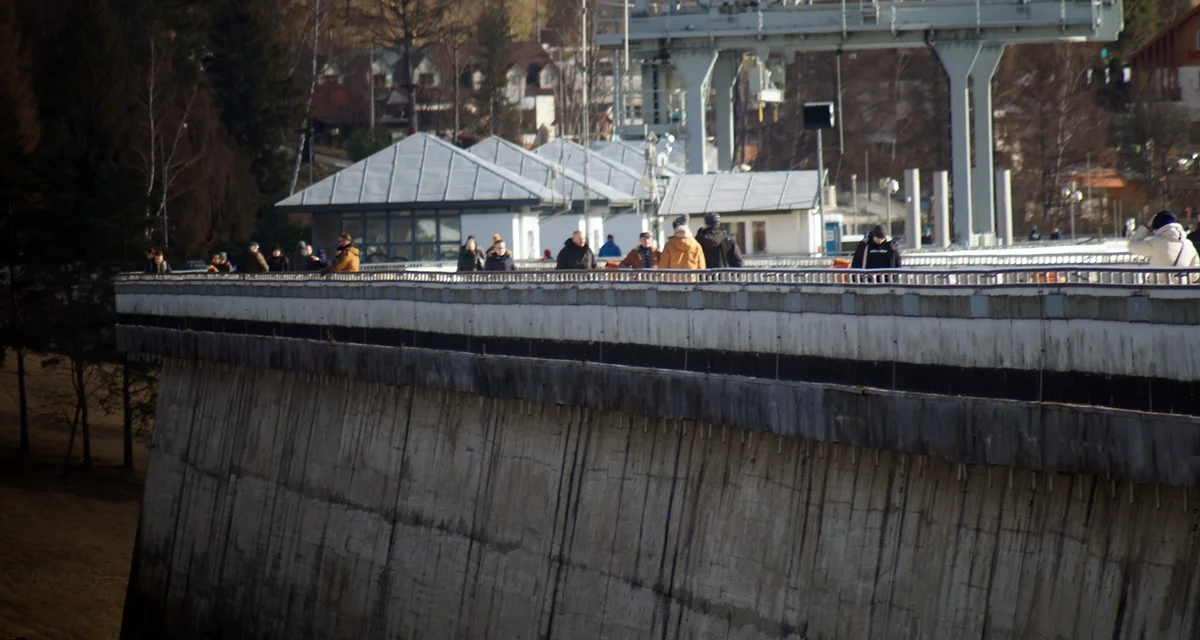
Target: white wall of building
[(555, 231), (513, 227), (1189, 89), (796, 233), (625, 229)]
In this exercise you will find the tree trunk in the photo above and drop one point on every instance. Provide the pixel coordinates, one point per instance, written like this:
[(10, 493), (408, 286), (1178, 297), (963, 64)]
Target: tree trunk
[(410, 81), (71, 440), (127, 407), (81, 408), (454, 54), (15, 314), (22, 400)]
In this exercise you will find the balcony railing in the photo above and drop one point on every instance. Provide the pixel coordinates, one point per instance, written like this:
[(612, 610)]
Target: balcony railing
[(1036, 278)]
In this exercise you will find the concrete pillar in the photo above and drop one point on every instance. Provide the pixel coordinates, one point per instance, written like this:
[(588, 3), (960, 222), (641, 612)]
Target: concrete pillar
[(957, 60), (725, 74), (653, 92), (941, 209), (981, 101), (695, 67), (912, 205), (1004, 222)]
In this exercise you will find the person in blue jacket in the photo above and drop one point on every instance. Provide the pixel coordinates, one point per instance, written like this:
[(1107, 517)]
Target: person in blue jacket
[(610, 249)]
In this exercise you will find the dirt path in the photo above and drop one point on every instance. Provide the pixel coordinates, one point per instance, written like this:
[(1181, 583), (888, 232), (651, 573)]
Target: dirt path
[(65, 539)]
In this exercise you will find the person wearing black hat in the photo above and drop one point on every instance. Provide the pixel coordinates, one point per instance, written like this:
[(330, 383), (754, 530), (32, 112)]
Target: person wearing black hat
[(876, 251), (278, 263), (1163, 241), (720, 250)]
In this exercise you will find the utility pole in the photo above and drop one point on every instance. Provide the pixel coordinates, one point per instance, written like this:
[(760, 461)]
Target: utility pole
[(853, 203), (371, 82), (316, 35), (587, 125)]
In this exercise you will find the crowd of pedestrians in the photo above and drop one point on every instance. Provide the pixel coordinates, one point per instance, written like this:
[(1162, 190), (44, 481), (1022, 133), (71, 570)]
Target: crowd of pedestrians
[(712, 248), (1162, 239), (253, 261)]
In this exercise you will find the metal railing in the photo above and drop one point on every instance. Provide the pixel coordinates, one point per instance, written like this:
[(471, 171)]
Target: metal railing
[(915, 260), (1043, 277)]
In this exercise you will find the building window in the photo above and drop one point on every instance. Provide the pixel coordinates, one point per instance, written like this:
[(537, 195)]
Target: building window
[(760, 236), (325, 230), (394, 235), (738, 231), (426, 79)]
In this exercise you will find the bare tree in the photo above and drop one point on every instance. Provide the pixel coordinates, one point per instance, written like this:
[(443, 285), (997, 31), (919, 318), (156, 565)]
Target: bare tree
[(404, 25), (1053, 122), (1154, 136), (166, 108)]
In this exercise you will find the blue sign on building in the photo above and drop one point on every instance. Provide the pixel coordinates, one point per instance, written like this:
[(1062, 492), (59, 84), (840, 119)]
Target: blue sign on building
[(833, 237)]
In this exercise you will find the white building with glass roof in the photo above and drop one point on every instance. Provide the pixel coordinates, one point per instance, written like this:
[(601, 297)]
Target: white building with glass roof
[(605, 203), (420, 198), (766, 211)]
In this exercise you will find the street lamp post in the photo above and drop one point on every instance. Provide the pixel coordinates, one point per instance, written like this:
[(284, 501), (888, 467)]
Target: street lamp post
[(1072, 196), (889, 188), (853, 203)]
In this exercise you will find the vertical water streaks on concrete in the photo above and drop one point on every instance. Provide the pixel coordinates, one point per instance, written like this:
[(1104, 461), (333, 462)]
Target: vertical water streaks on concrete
[(289, 505)]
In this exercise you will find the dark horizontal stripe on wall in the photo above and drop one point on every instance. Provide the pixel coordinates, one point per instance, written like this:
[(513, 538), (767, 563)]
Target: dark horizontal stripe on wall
[(1120, 392)]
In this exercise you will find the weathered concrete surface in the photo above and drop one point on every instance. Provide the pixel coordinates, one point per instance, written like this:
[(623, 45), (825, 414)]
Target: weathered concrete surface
[(288, 505), (1126, 445), (1106, 332)]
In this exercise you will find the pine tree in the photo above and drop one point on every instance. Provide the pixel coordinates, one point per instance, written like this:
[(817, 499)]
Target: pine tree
[(257, 96), (494, 31)]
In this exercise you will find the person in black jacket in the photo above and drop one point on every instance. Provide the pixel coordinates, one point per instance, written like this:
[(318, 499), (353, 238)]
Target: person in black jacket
[(876, 252), (576, 254), (470, 258), (278, 263), (1195, 238), (720, 250), (499, 258), (158, 265)]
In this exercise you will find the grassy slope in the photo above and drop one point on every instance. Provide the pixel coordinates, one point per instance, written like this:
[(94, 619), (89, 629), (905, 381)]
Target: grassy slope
[(65, 540)]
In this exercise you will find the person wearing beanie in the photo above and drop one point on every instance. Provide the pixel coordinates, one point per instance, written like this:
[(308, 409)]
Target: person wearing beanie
[(253, 261), (682, 251), (876, 251), (720, 248), (1163, 241), (278, 263)]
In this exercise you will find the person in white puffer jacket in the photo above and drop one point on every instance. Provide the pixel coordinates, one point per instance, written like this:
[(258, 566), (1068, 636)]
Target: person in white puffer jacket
[(1164, 242)]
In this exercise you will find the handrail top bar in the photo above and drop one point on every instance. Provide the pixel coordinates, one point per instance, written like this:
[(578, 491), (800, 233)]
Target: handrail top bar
[(1185, 281)]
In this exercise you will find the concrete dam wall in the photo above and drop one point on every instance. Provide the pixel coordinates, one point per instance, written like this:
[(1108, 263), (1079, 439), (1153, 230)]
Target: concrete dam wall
[(362, 459), (290, 505)]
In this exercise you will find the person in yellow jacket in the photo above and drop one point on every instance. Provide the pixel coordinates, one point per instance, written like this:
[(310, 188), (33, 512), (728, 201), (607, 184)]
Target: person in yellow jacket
[(346, 260), (682, 250)]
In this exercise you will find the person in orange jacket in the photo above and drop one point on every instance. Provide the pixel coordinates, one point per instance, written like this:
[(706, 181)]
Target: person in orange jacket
[(682, 250), (347, 257), (643, 256)]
